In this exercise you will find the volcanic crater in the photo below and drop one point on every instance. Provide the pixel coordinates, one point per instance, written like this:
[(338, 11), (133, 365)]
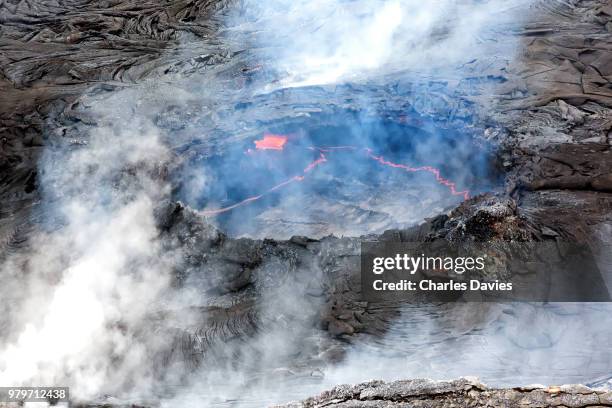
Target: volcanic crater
[(161, 143), (342, 174)]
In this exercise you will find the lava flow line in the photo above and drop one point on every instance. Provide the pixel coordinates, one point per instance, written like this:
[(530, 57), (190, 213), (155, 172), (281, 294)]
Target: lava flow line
[(436, 172), (277, 142), (311, 166)]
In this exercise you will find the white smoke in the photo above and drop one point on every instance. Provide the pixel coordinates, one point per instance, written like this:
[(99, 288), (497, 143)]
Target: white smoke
[(329, 41), (80, 295), (504, 345), (84, 285)]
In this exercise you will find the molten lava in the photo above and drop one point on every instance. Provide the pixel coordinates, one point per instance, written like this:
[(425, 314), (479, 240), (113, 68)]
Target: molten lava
[(436, 172), (271, 142), (277, 142), (311, 166)]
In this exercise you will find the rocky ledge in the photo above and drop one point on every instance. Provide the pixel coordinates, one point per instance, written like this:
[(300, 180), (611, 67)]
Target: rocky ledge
[(425, 393), (465, 392)]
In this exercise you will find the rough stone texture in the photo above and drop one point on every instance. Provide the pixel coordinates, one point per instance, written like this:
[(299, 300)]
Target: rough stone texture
[(52, 51), (457, 393), (464, 392), (554, 112), (554, 124)]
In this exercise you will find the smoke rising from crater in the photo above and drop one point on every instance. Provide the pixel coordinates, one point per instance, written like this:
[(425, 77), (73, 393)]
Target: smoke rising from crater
[(329, 41), (80, 301), (78, 294), (383, 62), (430, 45)]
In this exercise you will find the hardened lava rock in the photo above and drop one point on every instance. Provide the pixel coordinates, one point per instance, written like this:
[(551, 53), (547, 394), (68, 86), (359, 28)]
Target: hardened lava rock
[(552, 122), (458, 394), (423, 393)]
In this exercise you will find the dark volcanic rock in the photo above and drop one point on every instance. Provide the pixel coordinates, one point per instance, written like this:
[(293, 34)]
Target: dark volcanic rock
[(464, 392), (553, 122), (458, 393)]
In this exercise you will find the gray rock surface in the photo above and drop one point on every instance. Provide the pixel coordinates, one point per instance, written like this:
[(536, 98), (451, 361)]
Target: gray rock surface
[(553, 122), (457, 393)]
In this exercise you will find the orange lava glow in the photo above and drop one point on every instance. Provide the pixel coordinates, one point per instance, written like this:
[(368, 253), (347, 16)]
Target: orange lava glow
[(277, 142), (271, 142), (452, 187), (300, 177)]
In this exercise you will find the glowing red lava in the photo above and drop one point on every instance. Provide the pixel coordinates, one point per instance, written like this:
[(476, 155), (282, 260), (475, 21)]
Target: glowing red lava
[(271, 142), (436, 172), (277, 142), (322, 159)]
